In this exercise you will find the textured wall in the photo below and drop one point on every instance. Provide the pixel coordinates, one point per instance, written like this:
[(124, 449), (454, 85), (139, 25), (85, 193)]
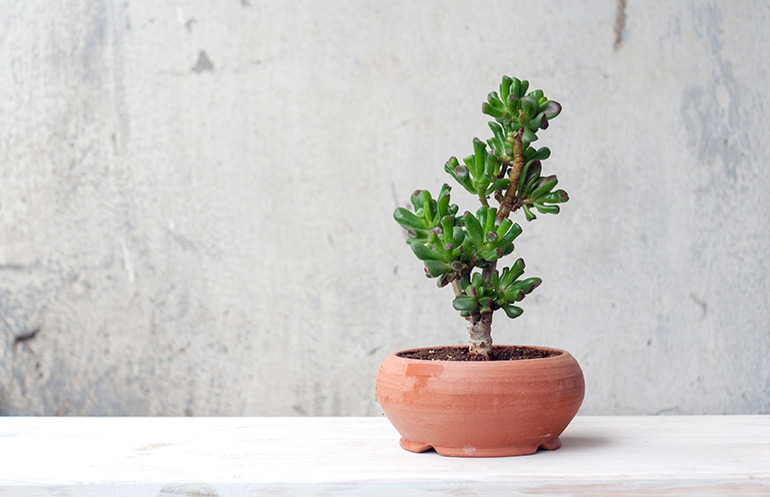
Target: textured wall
[(196, 198)]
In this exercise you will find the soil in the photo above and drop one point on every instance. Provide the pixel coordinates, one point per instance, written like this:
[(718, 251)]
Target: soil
[(499, 353)]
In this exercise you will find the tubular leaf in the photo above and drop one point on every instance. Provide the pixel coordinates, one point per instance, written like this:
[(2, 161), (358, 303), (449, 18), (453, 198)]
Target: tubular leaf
[(465, 303), (473, 229), (408, 220)]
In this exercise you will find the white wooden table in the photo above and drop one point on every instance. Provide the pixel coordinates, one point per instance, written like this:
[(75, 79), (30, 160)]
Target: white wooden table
[(638, 456)]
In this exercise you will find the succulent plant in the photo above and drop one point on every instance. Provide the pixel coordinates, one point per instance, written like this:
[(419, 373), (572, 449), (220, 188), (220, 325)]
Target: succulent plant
[(465, 250)]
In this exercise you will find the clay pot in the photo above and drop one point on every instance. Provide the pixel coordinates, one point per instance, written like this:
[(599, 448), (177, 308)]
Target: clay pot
[(481, 409)]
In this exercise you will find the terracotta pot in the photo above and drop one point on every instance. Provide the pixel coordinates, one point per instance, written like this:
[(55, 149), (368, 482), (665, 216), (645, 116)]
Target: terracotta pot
[(481, 409)]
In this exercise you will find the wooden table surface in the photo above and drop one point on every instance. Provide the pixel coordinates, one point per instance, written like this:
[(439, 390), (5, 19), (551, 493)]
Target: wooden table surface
[(638, 456)]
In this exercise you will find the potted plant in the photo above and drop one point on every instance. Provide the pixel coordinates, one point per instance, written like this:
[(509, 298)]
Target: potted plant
[(484, 399)]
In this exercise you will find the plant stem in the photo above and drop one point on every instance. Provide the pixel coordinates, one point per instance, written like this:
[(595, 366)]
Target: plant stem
[(456, 287), (480, 324), (480, 335), (509, 199), (503, 168)]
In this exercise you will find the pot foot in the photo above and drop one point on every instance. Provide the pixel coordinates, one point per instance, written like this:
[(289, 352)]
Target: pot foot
[(414, 446), (552, 445), (495, 452), (468, 451)]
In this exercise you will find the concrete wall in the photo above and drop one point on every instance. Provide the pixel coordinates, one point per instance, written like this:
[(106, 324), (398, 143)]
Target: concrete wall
[(196, 198)]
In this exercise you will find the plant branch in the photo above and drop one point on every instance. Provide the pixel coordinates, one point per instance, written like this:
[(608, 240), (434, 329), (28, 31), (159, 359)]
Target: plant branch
[(486, 273), (456, 287), (509, 199), (503, 168)]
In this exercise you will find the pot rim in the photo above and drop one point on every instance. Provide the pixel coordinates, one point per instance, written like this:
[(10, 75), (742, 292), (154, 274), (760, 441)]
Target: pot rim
[(559, 353)]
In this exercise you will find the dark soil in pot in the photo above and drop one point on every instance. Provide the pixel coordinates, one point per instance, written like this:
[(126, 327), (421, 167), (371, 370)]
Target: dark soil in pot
[(499, 353)]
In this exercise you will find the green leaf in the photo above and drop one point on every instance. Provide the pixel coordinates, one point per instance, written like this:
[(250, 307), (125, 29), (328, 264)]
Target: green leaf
[(528, 135), (465, 303), (516, 88), (473, 229), (532, 183), (557, 197), (551, 109), (429, 206), (414, 235), (531, 169), (512, 273), (513, 294), (458, 236), (495, 279), (511, 235), (527, 285), (498, 142), (505, 88), (460, 174), (494, 101), (447, 227), (543, 121), (425, 253), (504, 226), (500, 184), (437, 268), (489, 110), (408, 220), (529, 105), (528, 213), (547, 209), (479, 157), (507, 249), (512, 311), (544, 186), (419, 199), (540, 154), (492, 164), (443, 200), (486, 215), (490, 254)]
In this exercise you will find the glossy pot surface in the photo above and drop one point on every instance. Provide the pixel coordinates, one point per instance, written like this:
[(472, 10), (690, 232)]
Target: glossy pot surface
[(481, 409)]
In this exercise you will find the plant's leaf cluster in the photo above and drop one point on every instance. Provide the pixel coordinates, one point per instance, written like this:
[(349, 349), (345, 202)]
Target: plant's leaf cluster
[(485, 240), (483, 173), (502, 291), (451, 246), (464, 249), (535, 190), (480, 172), (515, 109), (428, 213)]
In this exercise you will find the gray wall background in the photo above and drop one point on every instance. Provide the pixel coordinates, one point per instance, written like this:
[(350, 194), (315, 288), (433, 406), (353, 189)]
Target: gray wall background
[(196, 198)]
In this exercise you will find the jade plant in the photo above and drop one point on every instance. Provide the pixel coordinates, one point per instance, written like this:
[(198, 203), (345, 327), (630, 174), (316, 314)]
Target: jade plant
[(505, 174)]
